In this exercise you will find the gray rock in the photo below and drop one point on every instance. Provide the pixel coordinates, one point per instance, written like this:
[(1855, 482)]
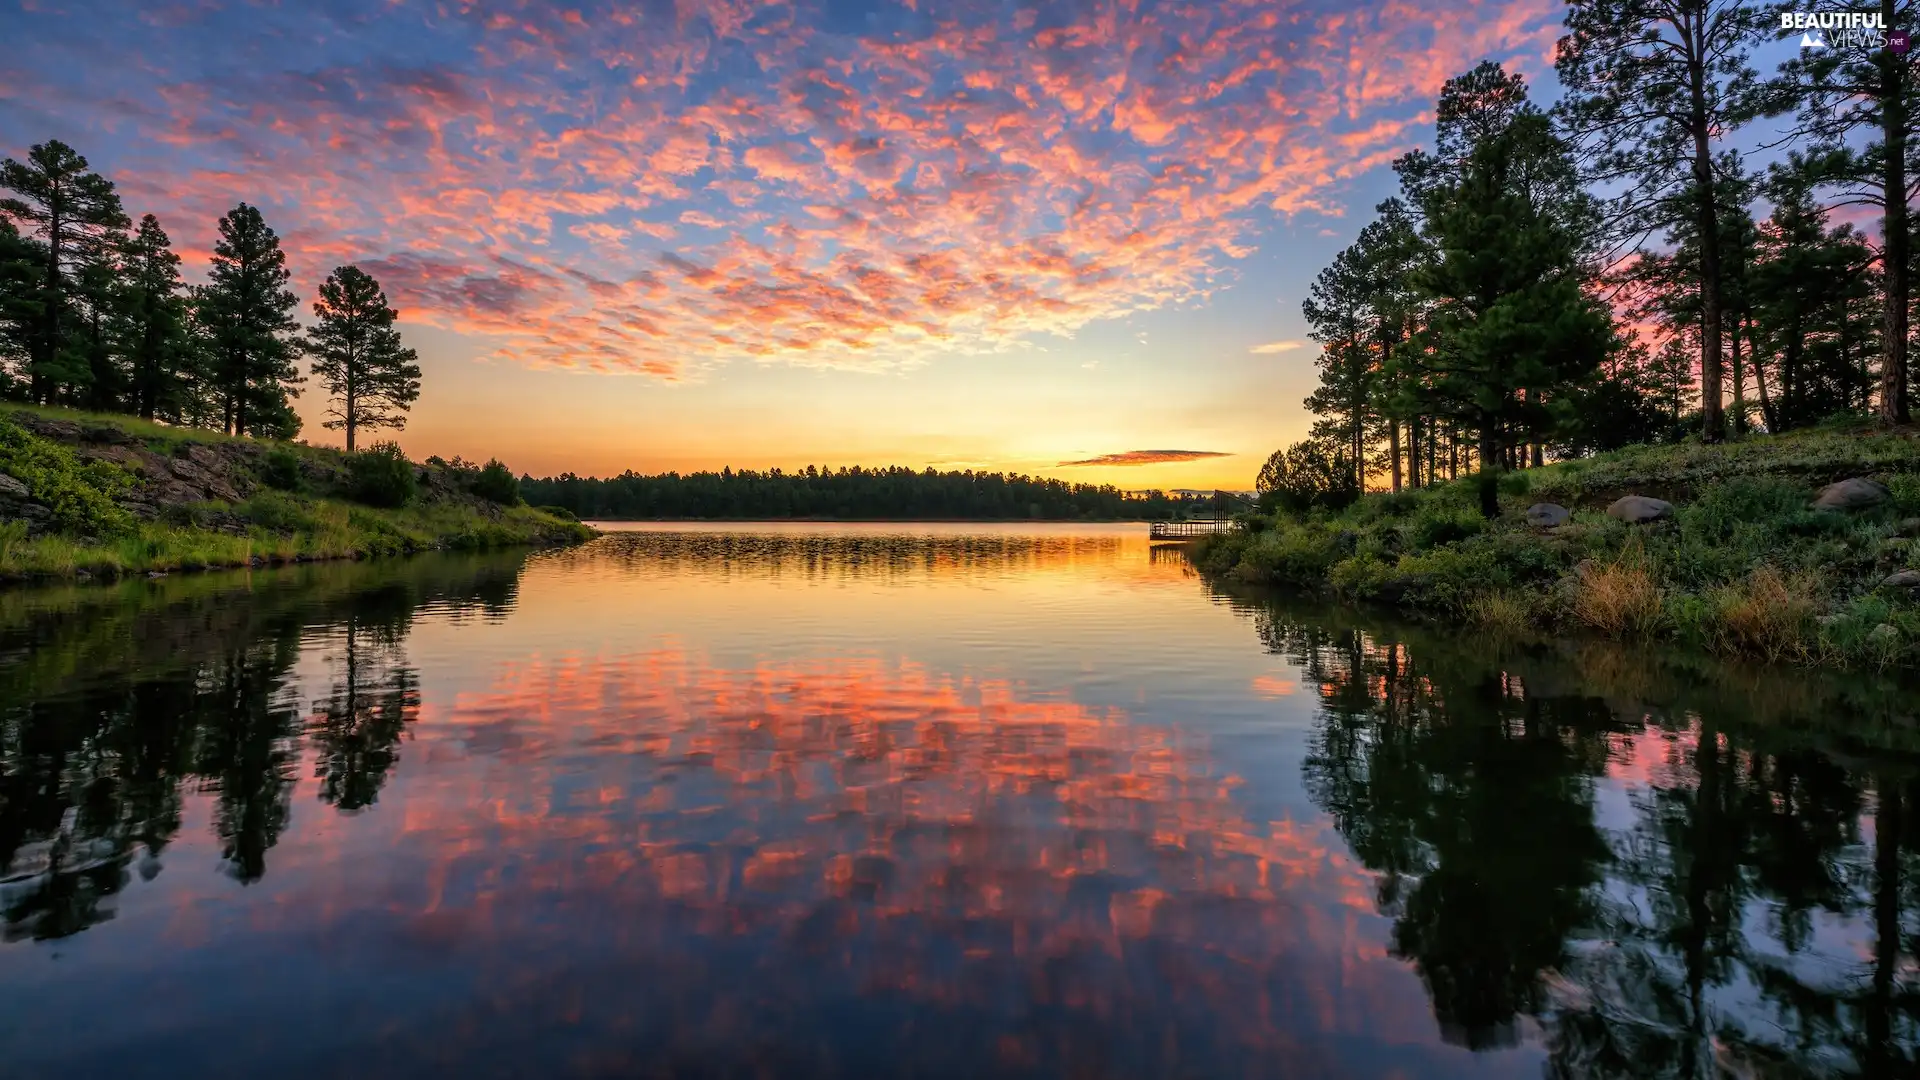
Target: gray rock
[(1909, 528), (12, 488), (190, 472), (1548, 515), (1905, 579), (1830, 620), (203, 455), (1855, 494), (1884, 634), (1639, 509)]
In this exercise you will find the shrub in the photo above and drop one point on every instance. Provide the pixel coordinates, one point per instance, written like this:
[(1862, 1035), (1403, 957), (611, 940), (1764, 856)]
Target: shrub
[(79, 493), (560, 512), (281, 470), (496, 483), (1434, 529), (382, 476), (278, 512)]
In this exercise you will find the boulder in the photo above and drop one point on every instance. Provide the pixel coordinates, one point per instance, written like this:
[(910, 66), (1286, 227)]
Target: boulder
[(1905, 579), (1855, 494), (1909, 528), (1884, 634), (1639, 509), (11, 488), (1548, 515)]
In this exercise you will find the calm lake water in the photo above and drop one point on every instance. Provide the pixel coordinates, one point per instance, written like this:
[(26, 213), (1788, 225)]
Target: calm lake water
[(921, 800)]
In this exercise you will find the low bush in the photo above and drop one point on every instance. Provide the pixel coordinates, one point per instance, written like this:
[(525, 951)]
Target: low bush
[(280, 469), (382, 476), (560, 512), (79, 493)]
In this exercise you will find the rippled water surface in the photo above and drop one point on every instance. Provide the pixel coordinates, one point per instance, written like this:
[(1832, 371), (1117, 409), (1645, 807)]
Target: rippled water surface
[(929, 801)]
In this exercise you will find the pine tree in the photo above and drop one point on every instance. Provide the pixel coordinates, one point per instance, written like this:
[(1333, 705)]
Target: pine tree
[(21, 263), (1512, 331), (1858, 112), (246, 310), (1650, 85), (76, 215), (154, 328), (371, 379)]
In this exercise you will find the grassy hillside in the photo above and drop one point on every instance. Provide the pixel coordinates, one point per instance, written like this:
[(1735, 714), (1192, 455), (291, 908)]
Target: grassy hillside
[(1743, 565), (89, 495)]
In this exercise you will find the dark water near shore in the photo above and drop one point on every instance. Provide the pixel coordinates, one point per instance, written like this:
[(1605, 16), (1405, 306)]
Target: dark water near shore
[(953, 801)]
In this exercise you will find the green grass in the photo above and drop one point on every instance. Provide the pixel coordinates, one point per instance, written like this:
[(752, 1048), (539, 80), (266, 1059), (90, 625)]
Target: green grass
[(92, 536), (1744, 567)]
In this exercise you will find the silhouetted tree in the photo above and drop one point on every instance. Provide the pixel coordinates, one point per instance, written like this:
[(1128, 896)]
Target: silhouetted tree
[(370, 379), (246, 311)]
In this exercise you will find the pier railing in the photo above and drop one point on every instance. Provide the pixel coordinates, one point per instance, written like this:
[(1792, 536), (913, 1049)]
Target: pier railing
[(1181, 530)]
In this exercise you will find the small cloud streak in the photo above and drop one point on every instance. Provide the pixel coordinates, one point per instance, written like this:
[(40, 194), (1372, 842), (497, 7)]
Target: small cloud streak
[(1273, 347), (1147, 457)]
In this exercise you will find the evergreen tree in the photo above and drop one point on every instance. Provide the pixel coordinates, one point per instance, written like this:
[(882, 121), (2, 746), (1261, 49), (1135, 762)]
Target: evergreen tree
[(155, 333), (1512, 330), (75, 213), (246, 310), (1345, 396), (1812, 301), (1858, 114), (21, 264), (371, 379), (1650, 85)]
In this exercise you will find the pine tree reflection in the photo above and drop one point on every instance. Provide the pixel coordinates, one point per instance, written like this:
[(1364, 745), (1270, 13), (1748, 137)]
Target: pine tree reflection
[(1682, 889), (108, 719)]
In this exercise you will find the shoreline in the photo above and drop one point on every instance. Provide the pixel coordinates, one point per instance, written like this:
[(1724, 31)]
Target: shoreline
[(98, 496), (1740, 563)]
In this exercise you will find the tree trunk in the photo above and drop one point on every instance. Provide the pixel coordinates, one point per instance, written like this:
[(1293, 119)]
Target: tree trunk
[(1707, 222), (1768, 412), (1894, 240), (1489, 470), (1739, 381), (1393, 450)]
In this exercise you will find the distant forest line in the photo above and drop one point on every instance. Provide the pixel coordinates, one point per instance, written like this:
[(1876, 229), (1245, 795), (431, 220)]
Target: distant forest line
[(856, 493)]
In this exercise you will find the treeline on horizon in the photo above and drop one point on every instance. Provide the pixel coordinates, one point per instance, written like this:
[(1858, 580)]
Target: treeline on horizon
[(94, 315), (1550, 284), (855, 493)]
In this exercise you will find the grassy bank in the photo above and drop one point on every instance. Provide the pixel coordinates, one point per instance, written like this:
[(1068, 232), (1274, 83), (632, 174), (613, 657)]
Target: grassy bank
[(1743, 565), (97, 495)]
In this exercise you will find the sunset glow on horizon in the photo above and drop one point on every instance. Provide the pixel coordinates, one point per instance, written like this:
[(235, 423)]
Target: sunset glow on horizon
[(1051, 238)]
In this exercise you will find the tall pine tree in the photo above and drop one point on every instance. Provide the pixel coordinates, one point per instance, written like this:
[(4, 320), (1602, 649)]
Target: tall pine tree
[(154, 328), (1650, 85), (370, 378), (75, 214), (246, 310), (1512, 330)]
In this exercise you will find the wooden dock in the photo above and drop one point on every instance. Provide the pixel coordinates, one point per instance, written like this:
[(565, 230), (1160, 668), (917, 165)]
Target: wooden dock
[(1182, 530)]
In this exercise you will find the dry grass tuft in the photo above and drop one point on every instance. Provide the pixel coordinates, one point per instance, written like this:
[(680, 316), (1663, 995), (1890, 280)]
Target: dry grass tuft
[(1768, 614), (1620, 599)]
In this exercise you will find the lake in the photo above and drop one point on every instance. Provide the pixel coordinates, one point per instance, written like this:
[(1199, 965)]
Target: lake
[(946, 800)]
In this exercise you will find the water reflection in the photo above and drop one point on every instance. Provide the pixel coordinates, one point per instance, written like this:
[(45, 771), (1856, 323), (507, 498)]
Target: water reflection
[(118, 702), (1675, 873), (699, 804)]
